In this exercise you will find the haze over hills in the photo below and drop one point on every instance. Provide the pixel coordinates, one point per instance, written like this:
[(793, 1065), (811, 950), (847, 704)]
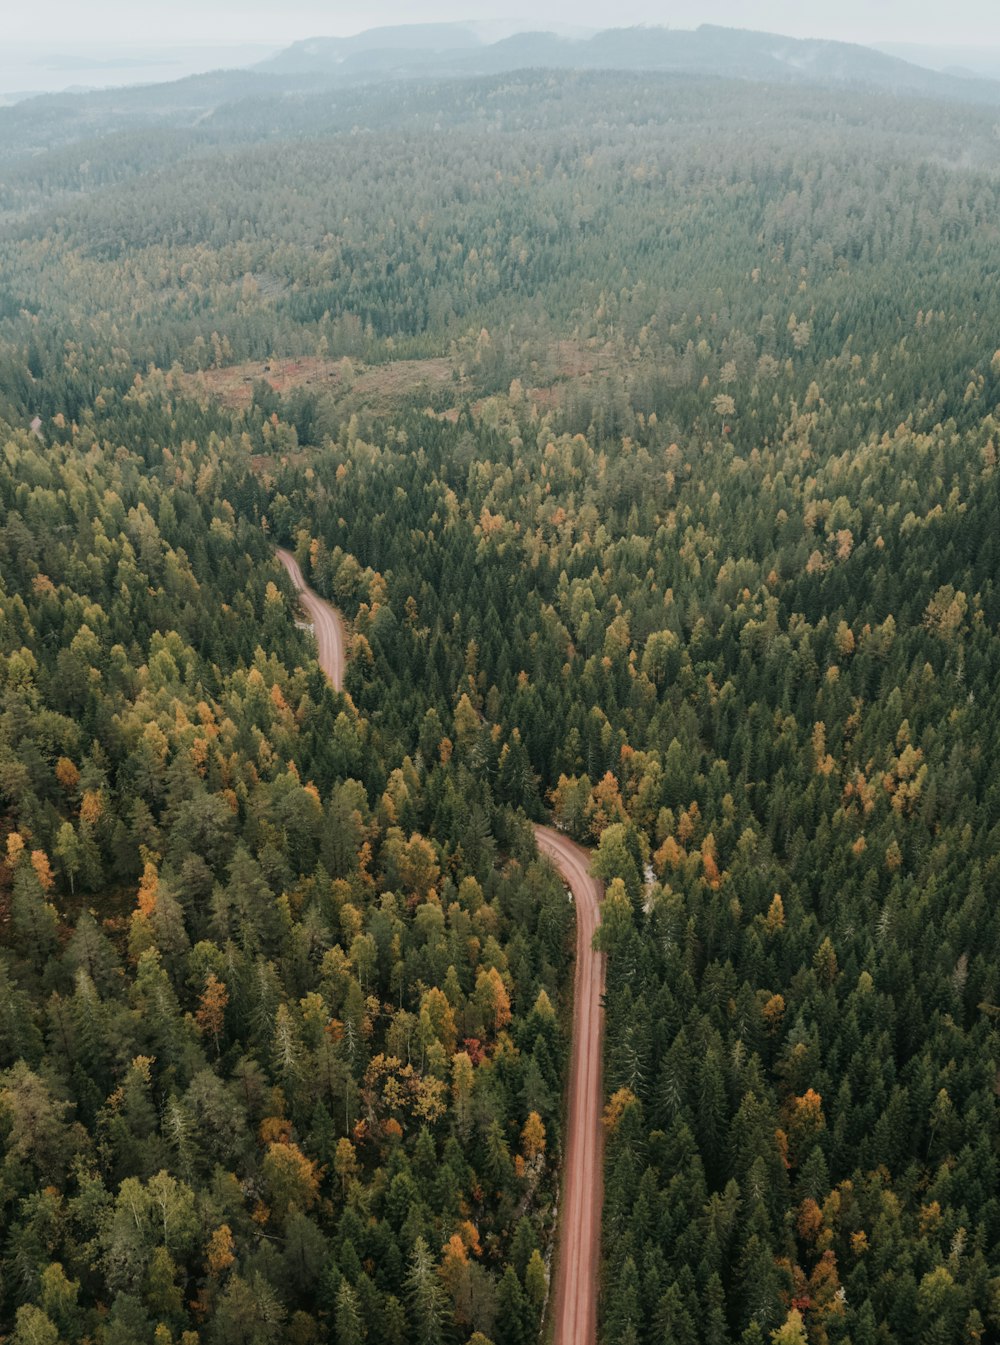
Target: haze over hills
[(471, 49), (288, 93), (969, 62)]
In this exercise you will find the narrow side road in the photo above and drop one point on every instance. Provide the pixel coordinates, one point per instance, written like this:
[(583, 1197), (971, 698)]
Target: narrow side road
[(579, 1251), (328, 624), (578, 1255)]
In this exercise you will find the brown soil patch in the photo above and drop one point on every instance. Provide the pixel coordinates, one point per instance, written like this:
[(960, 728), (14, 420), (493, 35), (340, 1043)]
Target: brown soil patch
[(383, 387), (380, 385), (233, 385), (389, 383)]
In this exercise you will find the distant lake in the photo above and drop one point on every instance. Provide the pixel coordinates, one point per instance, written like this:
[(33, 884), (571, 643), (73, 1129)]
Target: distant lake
[(32, 68)]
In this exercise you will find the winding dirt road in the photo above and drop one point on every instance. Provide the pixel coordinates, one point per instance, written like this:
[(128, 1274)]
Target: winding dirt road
[(579, 1251), (328, 624)]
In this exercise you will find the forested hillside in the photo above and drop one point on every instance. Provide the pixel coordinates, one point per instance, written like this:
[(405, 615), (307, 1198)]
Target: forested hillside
[(645, 433)]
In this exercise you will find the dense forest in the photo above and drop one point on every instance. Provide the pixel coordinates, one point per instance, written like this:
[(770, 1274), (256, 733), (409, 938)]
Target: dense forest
[(645, 431)]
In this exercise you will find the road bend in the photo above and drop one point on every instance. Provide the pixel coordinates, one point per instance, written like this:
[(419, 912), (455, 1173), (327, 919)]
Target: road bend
[(579, 1249), (328, 624)]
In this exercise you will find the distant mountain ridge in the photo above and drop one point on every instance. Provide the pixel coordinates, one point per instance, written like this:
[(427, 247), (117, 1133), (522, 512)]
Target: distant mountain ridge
[(441, 52), (411, 42), (416, 39), (459, 49)]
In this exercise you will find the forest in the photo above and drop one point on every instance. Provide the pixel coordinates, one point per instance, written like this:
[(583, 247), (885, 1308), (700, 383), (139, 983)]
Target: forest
[(645, 433)]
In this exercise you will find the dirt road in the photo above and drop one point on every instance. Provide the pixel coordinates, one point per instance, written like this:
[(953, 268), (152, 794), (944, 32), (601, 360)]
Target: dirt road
[(328, 624), (579, 1252)]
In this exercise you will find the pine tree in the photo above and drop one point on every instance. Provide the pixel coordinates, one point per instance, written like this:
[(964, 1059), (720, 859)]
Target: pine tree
[(426, 1297)]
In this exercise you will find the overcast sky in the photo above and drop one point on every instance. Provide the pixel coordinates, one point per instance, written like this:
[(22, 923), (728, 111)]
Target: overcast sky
[(282, 21)]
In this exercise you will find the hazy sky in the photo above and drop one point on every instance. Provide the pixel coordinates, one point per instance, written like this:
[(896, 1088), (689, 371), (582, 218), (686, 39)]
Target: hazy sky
[(281, 21)]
